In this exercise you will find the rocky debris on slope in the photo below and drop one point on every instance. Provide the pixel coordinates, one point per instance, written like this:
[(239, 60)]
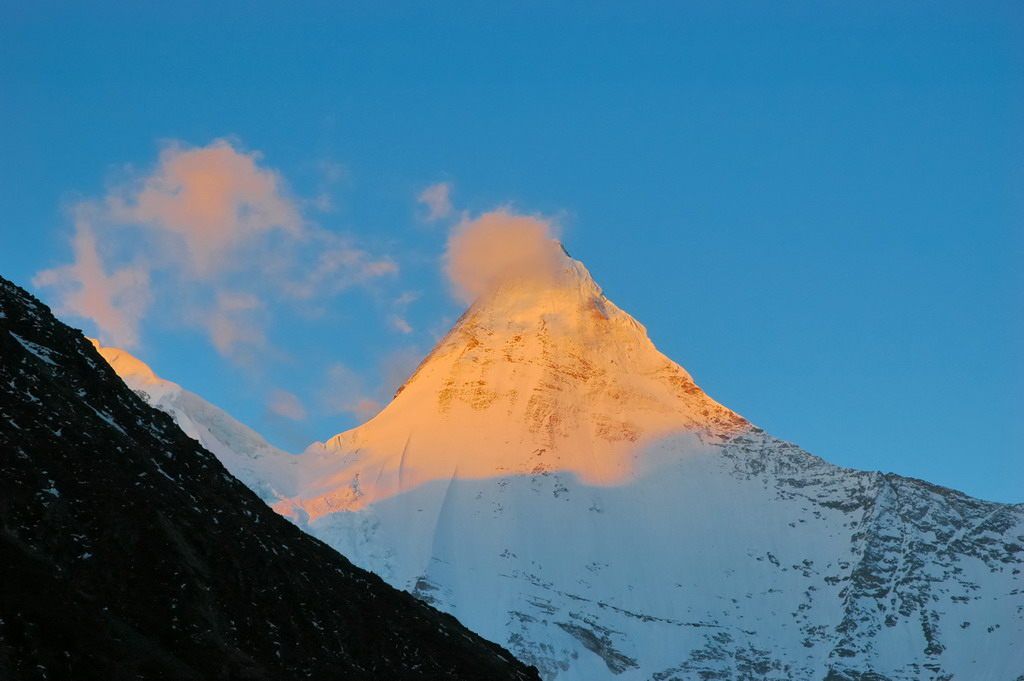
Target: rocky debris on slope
[(128, 552)]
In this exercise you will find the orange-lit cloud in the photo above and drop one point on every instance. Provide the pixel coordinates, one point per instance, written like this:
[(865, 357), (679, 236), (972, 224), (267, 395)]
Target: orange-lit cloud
[(210, 237), (286, 404), (116, 302), (498, 245), (213, 197), (235, 325), (437, 199)]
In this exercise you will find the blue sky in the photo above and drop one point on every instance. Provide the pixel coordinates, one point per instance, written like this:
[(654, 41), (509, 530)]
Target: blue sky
[(815, 208)]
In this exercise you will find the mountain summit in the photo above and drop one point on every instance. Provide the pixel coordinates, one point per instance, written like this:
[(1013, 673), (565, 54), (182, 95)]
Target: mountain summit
[(541, 376)]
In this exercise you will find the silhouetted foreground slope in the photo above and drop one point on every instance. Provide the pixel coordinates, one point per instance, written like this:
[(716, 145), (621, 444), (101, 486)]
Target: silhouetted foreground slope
[(128, 552)]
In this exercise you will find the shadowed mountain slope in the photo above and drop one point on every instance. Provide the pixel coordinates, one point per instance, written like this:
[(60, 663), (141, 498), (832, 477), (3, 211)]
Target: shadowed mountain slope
[(128, 552)]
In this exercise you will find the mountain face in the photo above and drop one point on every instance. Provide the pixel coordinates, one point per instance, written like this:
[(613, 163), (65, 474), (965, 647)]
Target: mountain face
[(560, 486), (128, 552), (553, 480)]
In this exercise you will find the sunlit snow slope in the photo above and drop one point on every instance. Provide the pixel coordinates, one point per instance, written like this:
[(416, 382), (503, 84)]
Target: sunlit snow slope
[(565, 489)]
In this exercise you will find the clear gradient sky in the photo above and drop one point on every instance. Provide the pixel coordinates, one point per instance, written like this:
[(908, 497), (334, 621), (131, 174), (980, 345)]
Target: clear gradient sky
[(816, 208)]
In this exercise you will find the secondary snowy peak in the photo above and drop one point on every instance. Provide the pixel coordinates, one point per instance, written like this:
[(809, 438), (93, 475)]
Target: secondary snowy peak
[(264, 468), (540, 375), (134, 372)]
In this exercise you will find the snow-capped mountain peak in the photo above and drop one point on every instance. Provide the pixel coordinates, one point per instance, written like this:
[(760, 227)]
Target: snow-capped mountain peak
[(558, 484), (553, 480), (134, 372), (540, 375)]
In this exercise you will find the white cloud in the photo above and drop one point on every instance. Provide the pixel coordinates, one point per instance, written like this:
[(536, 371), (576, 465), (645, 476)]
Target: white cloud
[(116, 302), (235, 324)]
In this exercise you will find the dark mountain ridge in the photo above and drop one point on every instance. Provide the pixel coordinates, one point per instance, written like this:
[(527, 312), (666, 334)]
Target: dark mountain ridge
[(128, 552)]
